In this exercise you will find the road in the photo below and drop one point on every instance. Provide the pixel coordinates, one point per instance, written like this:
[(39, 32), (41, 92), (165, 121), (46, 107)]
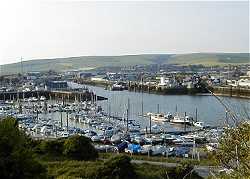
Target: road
[(203, 171)]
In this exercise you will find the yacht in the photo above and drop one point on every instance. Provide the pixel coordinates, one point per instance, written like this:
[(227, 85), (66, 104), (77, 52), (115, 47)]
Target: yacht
[(182, 120), (159, 118)]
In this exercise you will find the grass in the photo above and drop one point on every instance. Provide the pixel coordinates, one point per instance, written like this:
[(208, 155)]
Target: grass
[(72, 168), (202, 162), (88, 169)]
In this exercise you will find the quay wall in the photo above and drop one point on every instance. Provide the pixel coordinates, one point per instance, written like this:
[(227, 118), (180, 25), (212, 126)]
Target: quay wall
[(137, 87), (93, 83), (53, 95), (231, 91)]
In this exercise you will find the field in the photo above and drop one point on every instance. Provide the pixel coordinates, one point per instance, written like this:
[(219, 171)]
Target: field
[(90, 62)]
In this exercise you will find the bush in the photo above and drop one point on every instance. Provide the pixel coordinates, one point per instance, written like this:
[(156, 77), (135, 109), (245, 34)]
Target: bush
[(16, 157), (79, 148), (184, 170), (52, 147), (117, 167), (233, 152)]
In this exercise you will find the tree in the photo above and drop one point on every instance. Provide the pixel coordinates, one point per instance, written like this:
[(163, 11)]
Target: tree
[(16, 157), (234, 150), (79, 148), (117, 167)]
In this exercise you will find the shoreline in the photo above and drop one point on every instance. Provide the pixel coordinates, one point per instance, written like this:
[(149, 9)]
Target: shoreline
[(105, 84)]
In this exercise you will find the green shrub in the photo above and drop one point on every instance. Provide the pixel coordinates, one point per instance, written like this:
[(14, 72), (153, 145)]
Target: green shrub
[(79, 148), (53, 147), (117, 167), (16, 157)]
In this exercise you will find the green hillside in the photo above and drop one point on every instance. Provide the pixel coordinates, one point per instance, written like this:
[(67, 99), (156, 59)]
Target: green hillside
[(87, 62), (84, 62), (209, 58)]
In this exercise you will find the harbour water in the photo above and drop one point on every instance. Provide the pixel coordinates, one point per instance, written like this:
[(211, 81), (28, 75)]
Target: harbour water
[(209, 108)]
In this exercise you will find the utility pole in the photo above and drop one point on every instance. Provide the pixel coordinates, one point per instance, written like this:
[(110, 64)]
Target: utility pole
[(22, 65)]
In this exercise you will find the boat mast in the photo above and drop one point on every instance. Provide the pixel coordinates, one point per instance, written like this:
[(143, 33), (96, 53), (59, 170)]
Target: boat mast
[(185, 125), (128, 114), (196, 115), (142, 97), (150, 121)]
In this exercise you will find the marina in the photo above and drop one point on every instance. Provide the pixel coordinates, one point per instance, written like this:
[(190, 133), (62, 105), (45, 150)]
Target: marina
[(119, 125), (124, 90)]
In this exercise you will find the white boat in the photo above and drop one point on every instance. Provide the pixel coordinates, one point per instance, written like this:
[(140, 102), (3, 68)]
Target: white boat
[(145, 149), (42, 98), (159, 118), (116, 138), (199, 124), (95, 138), (149, 113), (182, 120), (154, 129), (212, 146), (64, 134), (158, 150), (32, 99)]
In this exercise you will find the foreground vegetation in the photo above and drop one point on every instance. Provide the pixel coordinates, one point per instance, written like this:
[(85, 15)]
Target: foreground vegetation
[(75, 157)]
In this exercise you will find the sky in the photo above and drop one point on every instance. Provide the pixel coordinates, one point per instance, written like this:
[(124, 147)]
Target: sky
[(50, 29)]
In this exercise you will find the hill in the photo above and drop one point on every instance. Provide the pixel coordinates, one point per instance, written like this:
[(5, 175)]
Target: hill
[(87, 62), (210, 59)]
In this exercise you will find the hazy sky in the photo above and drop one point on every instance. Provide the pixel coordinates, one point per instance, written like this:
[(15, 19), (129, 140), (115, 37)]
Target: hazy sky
[(48, 29)]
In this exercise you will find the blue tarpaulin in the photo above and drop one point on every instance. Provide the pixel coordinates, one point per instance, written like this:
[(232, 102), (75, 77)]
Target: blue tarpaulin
[(135, 148)]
